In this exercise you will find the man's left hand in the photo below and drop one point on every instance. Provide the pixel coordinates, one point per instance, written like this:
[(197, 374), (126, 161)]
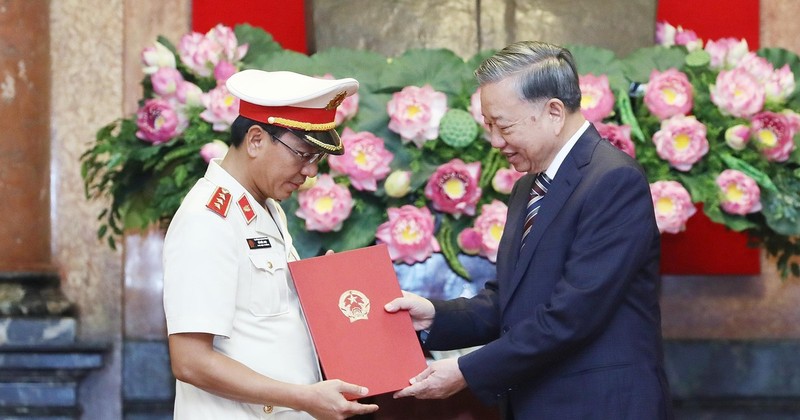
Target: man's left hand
[(440, 380)]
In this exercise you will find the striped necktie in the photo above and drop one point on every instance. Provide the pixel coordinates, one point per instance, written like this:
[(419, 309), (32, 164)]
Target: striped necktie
[(539, 189)]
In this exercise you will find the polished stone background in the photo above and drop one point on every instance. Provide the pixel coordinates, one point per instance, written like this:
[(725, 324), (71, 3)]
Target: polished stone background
[(469, 26), (94, 47)]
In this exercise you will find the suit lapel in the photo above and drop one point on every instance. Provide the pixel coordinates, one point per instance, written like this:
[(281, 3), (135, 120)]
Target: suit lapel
[(565, 182), (508, 249)]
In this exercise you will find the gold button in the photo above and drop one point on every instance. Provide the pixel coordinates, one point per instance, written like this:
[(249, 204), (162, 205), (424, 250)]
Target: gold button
[(269, 264), (268, 409)]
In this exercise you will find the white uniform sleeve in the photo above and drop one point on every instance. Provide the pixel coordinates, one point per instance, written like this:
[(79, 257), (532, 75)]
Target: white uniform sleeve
[(200, 274)]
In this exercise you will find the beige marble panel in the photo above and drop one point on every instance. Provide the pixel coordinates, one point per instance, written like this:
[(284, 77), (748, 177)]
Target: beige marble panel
[(779, 24), (619, 25), (86, 39), (390, 27), (145, 20), (468, 26), (86, 52)]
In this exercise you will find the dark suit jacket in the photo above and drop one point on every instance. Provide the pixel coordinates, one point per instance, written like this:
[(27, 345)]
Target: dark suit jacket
[(572, 324)]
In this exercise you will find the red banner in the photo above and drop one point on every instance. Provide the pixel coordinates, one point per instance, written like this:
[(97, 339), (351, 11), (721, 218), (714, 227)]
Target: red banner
[(706, 247), (714, 19), (284, 19)]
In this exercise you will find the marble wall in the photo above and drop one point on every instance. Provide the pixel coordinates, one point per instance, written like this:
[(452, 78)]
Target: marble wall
[(779, 24), (86, 43)]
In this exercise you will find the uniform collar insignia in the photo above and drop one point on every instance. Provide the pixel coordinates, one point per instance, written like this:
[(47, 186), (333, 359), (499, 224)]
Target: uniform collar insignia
[(247, 210), (220, 202)]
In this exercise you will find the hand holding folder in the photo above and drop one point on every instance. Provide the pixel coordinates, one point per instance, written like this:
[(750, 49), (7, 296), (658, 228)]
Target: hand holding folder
[(343, 297)]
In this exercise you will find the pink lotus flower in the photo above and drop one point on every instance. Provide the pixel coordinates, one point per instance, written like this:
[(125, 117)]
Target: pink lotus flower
[(189, 94), (668, 93), (221, 108), (773, 133), (672, 204), (155, 57), (453, 187), (223, 70), (737, 137), (740, 193), (780, 85), (726, 52), (415, 113), (325, 206), (665, 34), (409, 234), (619, 136), (688, 39), (201, 53), (166, 81), (225, 39), (668, 35), (738, 93), (793, 118), (213, 150), (365, 160), (490, 224), (469, 240), (158, 121), (398, 184), (759, 67), (681, 141), (504, 179), (597, 101)]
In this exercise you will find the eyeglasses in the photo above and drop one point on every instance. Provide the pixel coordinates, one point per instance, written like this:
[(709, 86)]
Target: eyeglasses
[(307, 158)]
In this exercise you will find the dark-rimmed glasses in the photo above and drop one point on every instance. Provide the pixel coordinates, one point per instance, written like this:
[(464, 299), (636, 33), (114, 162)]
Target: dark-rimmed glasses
[(307, 158)]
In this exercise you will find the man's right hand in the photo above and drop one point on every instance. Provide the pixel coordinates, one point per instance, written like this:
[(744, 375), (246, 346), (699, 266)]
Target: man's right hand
[(420, 309), (327, 402)]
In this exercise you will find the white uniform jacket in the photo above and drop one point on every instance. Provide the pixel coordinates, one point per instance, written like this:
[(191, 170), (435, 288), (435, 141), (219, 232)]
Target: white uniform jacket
[(226, 274)]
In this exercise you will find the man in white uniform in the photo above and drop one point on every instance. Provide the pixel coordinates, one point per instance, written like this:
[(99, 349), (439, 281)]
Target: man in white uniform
[(238, 342)]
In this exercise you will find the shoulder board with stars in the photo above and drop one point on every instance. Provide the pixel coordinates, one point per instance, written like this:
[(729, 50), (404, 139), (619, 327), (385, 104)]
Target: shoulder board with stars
[(220, 201), (247, 211)]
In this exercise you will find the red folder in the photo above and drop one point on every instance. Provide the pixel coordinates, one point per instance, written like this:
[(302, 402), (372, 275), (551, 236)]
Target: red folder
[(357, 341)]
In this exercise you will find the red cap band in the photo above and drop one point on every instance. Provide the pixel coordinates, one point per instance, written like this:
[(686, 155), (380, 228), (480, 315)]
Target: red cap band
[(306, 118)]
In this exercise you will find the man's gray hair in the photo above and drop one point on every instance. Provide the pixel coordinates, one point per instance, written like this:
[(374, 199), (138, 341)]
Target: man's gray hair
[(542, 71)]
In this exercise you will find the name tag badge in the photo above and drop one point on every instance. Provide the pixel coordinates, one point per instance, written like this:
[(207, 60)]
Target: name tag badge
[(258, 243)]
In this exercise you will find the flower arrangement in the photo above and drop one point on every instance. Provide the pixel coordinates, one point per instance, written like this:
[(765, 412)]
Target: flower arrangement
[(712, 125)]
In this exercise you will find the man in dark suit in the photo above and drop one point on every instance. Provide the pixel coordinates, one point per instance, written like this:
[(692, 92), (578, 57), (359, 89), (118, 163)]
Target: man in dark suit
[(572, 325)]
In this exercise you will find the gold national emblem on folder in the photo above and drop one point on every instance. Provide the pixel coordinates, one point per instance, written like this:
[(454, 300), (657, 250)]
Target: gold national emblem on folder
[(354, 305)]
